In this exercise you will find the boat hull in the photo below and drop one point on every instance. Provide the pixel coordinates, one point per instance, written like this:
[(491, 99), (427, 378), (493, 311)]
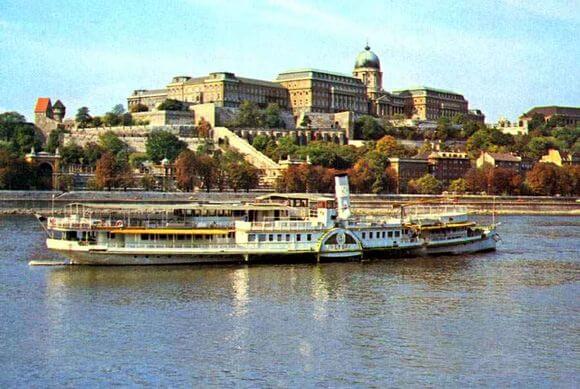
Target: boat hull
[(487, 243)]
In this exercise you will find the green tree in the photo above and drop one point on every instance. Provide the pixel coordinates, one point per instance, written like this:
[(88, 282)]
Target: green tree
[(92, 153), (136, 160), (162, 144), (54, 140), (248, 115), (366, 127), (261, 142), (537, 121), (72, 153), (9, 121), (25, 138), (539, 146), (306, 122), (139, 108), (426, 185), (83, 118), (272, 118), (112, 143), (171, 105), (15, 173), (458, 186)]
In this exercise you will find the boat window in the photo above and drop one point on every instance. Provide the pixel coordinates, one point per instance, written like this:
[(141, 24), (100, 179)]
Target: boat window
[(364, 235), (370, 235), (309, 237), (384, 234), (397, 234), (279, 237), (390, 234), (112, 235), (251, 238), (262, 238), (287, 237), (162, 237), (144, 236), (180, 237), (298, 237), (270, 238)]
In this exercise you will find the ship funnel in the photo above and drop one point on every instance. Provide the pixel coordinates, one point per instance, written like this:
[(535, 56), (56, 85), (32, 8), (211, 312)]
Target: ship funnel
[(342, 192)]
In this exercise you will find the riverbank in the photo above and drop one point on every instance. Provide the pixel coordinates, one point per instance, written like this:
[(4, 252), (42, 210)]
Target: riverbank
[(31, 202)]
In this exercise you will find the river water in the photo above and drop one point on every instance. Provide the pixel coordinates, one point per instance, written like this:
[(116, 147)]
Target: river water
[(511, 317)]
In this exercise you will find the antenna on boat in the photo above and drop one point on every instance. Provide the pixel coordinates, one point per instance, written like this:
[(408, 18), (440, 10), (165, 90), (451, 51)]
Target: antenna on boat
[(493, 212)]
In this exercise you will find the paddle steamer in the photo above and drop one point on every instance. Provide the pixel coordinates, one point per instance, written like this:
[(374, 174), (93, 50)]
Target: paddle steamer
[(274, 227)]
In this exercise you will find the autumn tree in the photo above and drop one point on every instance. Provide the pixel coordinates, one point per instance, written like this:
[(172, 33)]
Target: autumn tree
[(549, 179), (203, 128), (245, 176), (105, 172), (185, 174)]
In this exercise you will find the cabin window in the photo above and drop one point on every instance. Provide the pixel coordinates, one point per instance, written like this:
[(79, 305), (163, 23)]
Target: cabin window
[(309, 237), (279, 237), (270, 238), (384, 234), (112, 235), (364, 235), (370, 235), (162, 237), (144, 236), (298, 237), (181, 237), (251, 238), (397, 234), (262, 238), (390, 234), (287, 237)]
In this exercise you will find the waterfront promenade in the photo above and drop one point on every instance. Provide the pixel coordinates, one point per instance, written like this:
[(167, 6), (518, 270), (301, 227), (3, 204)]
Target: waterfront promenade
[(29, 202)]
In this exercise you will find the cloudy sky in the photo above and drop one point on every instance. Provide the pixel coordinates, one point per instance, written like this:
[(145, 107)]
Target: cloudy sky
[(505, 56)]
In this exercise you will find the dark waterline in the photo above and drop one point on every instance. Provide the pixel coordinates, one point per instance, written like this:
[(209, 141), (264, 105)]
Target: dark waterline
[(504, 318)]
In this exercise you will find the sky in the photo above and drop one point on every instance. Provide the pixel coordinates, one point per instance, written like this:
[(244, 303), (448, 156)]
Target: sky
[(504, 56)]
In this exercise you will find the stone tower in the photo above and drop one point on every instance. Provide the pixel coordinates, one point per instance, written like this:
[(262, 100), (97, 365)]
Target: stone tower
[(58, 111), (367, 68)]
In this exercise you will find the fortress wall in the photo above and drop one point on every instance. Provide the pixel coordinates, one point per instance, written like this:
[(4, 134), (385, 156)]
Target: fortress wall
[(134, 136)]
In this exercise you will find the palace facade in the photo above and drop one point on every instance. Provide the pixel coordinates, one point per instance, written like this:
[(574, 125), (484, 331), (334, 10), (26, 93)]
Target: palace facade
[(310, 90)]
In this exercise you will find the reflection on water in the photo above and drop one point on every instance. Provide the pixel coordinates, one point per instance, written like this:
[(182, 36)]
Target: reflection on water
[(502, 318)]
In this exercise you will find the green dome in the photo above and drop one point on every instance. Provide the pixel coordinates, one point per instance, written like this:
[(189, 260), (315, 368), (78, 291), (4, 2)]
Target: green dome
[(367, 59)]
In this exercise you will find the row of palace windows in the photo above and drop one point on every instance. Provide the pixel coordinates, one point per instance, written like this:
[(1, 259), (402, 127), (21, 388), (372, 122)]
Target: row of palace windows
[(381, 234), (278, 237)]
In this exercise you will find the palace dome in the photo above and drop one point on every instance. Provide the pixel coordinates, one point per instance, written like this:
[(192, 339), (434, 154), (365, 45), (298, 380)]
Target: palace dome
[(367, 59)]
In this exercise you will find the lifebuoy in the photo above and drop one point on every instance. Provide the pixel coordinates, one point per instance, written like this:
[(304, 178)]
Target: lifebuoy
[(119, 224), (52, 221)]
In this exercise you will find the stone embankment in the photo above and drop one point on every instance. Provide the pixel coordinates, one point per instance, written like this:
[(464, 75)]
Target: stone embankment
[(30, 202)]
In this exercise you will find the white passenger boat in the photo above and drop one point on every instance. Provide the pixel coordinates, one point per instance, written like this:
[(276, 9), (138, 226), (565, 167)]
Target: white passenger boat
[(275, 227)]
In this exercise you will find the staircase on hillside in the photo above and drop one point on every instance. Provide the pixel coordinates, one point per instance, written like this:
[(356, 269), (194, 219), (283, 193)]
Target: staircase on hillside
[(271, 169)]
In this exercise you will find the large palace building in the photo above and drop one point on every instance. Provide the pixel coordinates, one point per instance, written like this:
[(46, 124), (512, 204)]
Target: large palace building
[(308, 90)]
